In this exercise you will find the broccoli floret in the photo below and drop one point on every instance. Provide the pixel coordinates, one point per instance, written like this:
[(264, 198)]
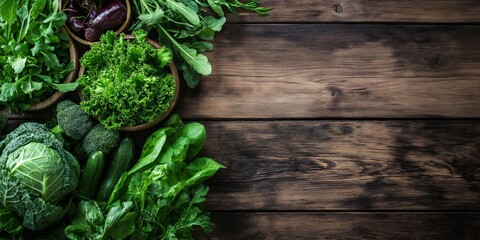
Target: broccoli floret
[(98, 139), (63, 105), (3, 122), (72, 120)]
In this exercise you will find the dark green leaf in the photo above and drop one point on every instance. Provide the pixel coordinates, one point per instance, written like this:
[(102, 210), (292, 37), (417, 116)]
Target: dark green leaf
[(190, 75), (10, 222), (151, 19), (197, 135), (38, 7), (202, 46), (119, 189), (152, 148), (201, 169), (188, 13), (18, 64), (14, 196), (174, 122), (214, 23), (216, 7), (197, 61), (123, 228), (41, 214), (51, 60), (206, 34), (65, 87), (8, 10), (117, 211), (29, 86)]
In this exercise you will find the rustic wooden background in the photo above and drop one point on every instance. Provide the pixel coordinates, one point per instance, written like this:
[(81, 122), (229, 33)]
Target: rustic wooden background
[(348, 119)]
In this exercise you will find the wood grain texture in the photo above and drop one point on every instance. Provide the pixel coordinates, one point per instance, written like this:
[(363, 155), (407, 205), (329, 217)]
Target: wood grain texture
[(355, 71), (344, 165), (342, 226), (322, 11)]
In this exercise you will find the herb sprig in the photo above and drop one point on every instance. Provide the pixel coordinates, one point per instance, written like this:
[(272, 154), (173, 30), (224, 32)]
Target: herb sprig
[(187, 27)]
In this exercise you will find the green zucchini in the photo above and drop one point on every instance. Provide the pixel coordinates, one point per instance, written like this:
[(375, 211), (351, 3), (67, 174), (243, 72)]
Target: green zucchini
[(92, 174), (121, 162)]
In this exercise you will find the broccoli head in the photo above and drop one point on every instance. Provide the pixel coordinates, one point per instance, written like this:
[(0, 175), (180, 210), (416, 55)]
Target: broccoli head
[(98, 139), (63, 105), (72, 120)]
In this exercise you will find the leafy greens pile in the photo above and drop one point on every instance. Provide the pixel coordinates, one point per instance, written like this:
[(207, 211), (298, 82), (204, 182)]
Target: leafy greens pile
[(161, 197), (126, 82), (187, 26), (34, 56)]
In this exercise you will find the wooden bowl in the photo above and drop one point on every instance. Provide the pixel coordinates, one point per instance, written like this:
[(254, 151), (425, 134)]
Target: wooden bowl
[(70, 78), (84, 41), (173, 70)]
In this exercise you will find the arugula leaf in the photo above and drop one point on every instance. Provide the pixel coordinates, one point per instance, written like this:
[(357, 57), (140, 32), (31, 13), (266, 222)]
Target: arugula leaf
[(8, 11), (185, 11), (197, 61), (64, 87), (28, 86), (51, 60), (18, 64), (32, 43), (202, 46), (151, 19)]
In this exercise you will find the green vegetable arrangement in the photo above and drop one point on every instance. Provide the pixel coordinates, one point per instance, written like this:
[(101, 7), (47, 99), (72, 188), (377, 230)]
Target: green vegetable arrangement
[(160, 197), (126, 81), (187, 26), (36, 174), (34, 56)]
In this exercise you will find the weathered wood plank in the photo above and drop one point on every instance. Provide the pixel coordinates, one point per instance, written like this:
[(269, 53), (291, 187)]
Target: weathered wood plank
[(366, 11), (368, 226), (344, 165), (357, 71)]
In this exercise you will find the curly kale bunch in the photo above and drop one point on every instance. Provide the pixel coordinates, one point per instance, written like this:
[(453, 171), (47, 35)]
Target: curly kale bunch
[(126, 81)]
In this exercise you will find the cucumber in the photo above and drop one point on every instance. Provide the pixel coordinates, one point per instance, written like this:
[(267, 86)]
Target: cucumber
[(92, 174), (121, 161)]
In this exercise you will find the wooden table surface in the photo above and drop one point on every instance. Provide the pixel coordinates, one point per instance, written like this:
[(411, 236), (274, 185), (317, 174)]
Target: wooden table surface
[(348, 119)]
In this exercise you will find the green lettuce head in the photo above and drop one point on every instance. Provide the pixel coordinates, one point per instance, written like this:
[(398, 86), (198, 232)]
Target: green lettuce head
[(36, 174)]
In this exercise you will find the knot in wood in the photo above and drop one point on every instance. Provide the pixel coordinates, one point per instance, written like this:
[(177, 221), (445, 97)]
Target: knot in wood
[(338, 8)]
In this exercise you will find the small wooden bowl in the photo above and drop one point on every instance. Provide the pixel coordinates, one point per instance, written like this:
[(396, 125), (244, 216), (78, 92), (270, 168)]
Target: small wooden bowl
[(70, 78), (119, 30), (173, 70)]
